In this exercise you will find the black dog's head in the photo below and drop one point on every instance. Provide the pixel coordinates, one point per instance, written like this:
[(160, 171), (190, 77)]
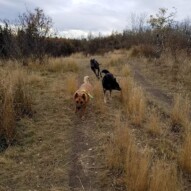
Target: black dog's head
[(105, 71)]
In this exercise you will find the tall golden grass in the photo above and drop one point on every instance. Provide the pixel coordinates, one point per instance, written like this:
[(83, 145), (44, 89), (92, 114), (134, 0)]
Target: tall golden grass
[(16, 101), (164, 177), (154, 125), (117, 150), (8, 114), (180, 110), (133, 101), (137, 168), (71, 84), (98, 96), (185, 154), (126, 70), (62, 65), (22, 93)]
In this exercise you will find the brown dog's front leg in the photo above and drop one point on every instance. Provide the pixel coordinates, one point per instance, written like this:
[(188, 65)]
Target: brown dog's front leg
[(76, 110), (82, 111)]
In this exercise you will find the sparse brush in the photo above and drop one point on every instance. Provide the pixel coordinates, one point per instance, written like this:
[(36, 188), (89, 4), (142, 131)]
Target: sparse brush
[(126, 85), (118, 147), (55, 65), (99, 97), (34, 79), (185, 154), (137, 168), (71, 65), (8, 114), (154, 123), (115, 60), (125, 70), (16, 101), (22, 94), (78, 55), (133, 101), (137, 105), (180, 111), (62, 65), (164, 177), (148, 51), (71, 84)]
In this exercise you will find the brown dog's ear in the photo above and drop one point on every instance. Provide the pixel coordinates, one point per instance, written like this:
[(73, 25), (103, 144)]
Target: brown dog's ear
[(84, 97), (76, 95)]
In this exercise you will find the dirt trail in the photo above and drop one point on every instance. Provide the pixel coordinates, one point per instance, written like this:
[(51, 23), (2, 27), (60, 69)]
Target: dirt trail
[(82, 169), (86, 150), (155, 92)]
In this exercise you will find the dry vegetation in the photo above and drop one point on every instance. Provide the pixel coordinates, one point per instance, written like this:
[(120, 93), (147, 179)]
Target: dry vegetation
[(128, 132), (16, 101)]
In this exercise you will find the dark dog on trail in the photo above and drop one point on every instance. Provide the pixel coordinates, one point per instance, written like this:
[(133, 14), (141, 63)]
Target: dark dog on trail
[(109, 83), (95, 67)]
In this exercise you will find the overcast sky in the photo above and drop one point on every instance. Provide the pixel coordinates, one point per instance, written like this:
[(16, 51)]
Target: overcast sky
[(74, 18)]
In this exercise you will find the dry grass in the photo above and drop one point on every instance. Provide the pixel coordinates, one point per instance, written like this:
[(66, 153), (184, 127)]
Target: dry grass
[(16, 101), (143, 50), (71, 84), (185, 154), (126, 70), (154, 125), (62, 65), (131, 163), (180, 110), (98, 96), (114, 60), (118, 147), (8, 114), (164, 177), (126, 85), (22, 93), (34, 79), (133, 100), (124, 157), (137, 168), (137, 106)]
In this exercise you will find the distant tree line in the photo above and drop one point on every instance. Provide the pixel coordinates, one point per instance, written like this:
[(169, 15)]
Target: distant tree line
[(30, 37)]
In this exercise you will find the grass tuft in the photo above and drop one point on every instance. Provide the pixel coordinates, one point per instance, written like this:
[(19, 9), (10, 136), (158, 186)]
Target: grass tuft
[(164, 177), (180, 111)]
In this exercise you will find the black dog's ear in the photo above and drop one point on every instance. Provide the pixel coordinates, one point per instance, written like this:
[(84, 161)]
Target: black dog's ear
[(84, 97), (76, 95)]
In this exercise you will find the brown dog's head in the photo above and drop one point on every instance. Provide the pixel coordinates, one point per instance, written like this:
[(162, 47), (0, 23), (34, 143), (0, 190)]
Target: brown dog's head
[(80, 99)]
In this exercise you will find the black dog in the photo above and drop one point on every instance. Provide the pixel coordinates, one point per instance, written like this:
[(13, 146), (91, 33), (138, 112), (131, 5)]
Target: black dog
[(95, 67), (109, 83)]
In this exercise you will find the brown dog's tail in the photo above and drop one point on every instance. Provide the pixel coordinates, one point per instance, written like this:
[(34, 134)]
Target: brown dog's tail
[(86, 79)]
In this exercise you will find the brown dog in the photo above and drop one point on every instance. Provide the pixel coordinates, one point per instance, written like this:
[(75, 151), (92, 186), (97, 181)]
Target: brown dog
[(83, 95)]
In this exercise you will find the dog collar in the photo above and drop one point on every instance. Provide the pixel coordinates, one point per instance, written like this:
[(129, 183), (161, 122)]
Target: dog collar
[(88, 94)]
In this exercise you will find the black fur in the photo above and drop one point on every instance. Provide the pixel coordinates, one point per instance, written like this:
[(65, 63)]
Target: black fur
[(109, 82), (105, 71), (95, 67)]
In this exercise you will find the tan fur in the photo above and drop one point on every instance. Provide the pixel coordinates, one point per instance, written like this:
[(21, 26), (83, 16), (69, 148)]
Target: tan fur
[(82, 95)]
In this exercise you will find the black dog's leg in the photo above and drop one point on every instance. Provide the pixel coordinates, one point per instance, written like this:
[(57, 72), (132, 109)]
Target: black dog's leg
[(93, 69), (110, 94), (99, 73), (105, 97)]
